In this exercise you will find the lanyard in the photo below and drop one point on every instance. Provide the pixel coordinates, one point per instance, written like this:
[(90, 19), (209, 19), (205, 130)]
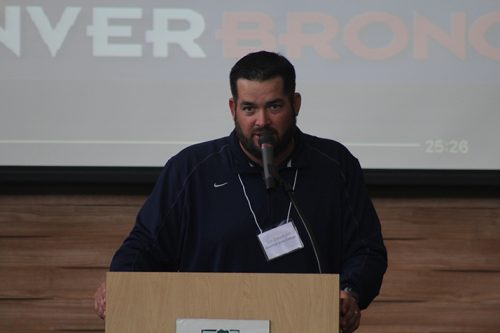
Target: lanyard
[(250, 205)]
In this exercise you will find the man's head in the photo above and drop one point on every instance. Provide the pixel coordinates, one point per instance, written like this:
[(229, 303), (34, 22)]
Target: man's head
[(262, 66), (264, 100)]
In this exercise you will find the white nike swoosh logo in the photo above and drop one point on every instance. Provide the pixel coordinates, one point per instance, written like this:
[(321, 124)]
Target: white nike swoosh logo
[(220, 185)]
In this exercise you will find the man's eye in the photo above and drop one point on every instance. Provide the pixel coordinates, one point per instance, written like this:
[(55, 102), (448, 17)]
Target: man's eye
[(275, 107), (247, 109)]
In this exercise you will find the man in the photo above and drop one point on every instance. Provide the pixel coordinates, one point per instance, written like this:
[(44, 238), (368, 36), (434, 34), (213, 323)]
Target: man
[(210, 209)]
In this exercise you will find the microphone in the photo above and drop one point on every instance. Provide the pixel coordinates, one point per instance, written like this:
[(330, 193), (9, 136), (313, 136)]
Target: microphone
[(266, 142)]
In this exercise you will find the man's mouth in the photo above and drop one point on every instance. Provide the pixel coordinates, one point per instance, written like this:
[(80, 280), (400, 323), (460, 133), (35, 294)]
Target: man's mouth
[(265, 137), (260, 133)]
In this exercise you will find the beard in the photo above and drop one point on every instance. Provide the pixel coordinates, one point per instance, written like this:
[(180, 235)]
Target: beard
[(281, 143)]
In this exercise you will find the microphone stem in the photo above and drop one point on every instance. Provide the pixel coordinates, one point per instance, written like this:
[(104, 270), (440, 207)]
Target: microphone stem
[(289, 191)]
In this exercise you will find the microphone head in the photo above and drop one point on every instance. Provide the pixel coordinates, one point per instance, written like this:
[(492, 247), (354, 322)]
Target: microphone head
[(266, 138)]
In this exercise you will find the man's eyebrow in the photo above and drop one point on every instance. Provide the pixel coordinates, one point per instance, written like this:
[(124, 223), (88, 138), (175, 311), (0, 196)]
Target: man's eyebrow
[(276, 101), (245, 103)]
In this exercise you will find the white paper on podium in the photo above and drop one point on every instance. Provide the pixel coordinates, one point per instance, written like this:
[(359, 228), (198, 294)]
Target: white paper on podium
[(200, 325)]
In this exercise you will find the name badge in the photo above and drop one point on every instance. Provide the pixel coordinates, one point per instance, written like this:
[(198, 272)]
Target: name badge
[(280, 240)]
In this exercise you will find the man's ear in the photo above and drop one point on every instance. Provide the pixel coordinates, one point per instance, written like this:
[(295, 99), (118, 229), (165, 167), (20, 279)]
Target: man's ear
[(232, 107), (297, 100)]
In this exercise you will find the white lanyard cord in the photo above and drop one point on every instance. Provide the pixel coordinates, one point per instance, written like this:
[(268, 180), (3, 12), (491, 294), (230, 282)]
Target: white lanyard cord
[(250, 205), (287, 218), (293, 188)]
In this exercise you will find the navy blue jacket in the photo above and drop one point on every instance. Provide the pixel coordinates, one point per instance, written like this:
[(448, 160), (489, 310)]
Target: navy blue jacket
[(197, 218)]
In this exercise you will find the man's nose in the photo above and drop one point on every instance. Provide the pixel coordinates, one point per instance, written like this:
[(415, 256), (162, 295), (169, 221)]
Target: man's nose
[(262, 119)]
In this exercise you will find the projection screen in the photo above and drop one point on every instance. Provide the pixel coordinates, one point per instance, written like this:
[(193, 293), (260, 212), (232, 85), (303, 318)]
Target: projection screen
[(403, 84)]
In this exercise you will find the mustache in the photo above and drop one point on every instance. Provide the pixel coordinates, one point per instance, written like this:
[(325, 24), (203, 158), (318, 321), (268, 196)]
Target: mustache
[(265, 130)]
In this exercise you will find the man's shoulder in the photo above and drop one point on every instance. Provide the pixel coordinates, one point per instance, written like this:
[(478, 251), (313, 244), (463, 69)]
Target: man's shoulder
[(326, 147), (205, 147), (197, 159), (200, 153), (329, 156)]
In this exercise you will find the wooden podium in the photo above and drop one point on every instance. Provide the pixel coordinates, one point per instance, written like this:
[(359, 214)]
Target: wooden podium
[(151, 302)]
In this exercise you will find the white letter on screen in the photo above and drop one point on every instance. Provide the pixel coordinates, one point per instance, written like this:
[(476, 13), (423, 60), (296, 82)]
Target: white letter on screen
[(160, 36), (101, 31), (10, 34), (53, 37)]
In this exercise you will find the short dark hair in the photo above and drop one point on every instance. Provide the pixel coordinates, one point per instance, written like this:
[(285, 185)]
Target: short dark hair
[(262, 66)]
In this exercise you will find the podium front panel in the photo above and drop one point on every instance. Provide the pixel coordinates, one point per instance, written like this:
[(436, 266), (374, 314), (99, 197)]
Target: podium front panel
[(139, 302)]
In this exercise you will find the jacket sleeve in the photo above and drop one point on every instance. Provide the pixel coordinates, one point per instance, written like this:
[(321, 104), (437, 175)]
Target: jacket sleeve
[(364, 259), (154, 242)]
